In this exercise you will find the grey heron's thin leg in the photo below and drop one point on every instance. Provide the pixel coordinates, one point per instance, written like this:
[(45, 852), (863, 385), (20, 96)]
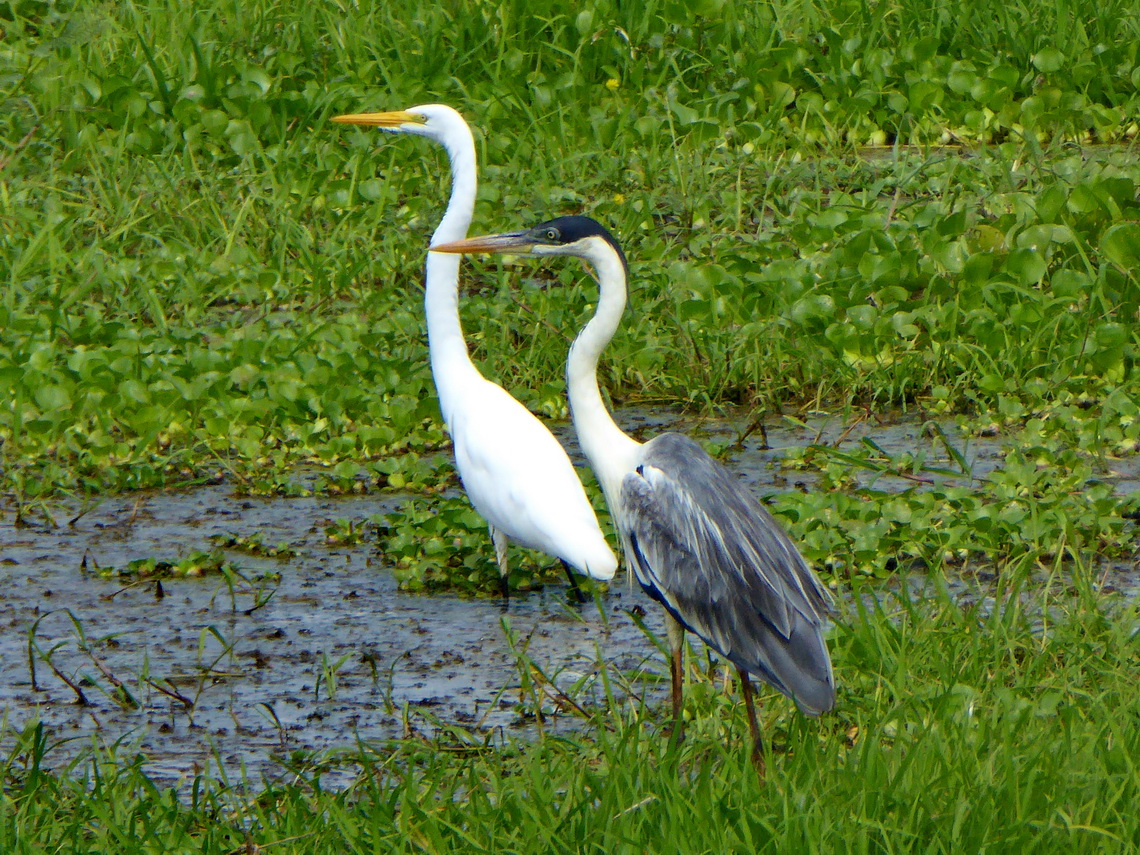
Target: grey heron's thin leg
[(500, 541), (578, 595), (753, 724), (676, 634)]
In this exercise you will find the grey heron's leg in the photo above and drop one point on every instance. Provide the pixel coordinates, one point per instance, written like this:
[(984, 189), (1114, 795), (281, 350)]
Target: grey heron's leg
[(753, 724), (676, 635), (579, 597), (500, 541)]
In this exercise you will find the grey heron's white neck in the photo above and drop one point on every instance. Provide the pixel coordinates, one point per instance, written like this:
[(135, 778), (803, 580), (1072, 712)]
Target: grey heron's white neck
[(451, 364), (608, 448)]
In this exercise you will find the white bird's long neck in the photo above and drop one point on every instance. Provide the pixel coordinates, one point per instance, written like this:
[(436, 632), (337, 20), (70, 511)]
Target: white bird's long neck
[(451, 365), (608, 448)]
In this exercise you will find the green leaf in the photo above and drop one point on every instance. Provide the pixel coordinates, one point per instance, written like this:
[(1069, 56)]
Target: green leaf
[(1049, 60), (1027, 266), (1041, 237), (685, 115), (1121, 245), (53, 398), (1071, 284), (977, 268), (962, 77), (1111, 335)]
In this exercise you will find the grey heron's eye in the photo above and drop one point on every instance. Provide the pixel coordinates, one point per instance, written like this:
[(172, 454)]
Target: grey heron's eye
[(551, 234)]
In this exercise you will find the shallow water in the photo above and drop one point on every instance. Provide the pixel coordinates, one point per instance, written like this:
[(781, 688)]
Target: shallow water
[(337, 653), (266, 690)]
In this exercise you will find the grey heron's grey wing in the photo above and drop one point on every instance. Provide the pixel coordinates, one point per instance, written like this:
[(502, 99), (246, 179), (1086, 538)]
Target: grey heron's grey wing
[(704, 547), (742, 549)]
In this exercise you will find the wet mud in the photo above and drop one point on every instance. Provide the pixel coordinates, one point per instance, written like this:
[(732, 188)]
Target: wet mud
[(334, 655), (324, 651)]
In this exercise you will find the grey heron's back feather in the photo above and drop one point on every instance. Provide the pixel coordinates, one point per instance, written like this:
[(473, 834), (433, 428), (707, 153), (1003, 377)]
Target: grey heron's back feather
[(705, 548)]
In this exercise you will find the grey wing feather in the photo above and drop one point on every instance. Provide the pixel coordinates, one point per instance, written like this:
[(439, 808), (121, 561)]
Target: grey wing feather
[(702, 545)]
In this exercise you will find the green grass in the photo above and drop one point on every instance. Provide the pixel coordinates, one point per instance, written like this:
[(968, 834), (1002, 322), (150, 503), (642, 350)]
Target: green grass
[(194, 252), (958, 729), (835, 205)]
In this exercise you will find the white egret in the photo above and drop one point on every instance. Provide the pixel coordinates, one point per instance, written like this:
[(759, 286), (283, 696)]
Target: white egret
[(515, 472), (697, 541)]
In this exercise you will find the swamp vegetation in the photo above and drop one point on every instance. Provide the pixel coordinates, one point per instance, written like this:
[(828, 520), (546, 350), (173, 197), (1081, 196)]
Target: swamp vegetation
[(841, 216)]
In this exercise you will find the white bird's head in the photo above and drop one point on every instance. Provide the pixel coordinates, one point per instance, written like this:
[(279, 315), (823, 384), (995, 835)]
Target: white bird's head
[(434, 121)]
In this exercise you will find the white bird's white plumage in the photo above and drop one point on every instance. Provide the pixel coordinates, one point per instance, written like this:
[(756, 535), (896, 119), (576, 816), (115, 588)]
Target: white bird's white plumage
[(516, 474)]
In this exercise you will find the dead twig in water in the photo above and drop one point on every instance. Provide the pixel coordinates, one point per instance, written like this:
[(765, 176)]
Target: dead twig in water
[(33, 649), (846, 433), (757, 424), (171, 692), (124, 694), (88, 506)]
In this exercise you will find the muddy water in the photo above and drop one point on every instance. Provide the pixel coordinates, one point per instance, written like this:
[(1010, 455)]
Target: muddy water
[(337, 653)]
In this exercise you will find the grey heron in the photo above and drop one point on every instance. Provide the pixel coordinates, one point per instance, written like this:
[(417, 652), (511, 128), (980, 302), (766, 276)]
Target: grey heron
[(697, 541), (516, 474)]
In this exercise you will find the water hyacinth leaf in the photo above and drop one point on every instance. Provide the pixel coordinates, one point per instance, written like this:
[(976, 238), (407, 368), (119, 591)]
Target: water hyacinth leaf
[(977, 268), (1120, 244), (988, 237), (902, 323), (258, 78), (685, 115), (134, 390), (53, 398), (1049, 60), (780, 93), (704, 130), (1071, 284), (831, 218), (813, 308), (863, 317), (1041, 237), (962, 77), (1051, 203), (1111, 335), (1026, 265)]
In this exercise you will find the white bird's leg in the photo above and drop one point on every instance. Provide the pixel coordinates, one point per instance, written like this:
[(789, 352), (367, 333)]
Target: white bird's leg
[(753, 724), (676, 635), (500, 541), (578, 595)]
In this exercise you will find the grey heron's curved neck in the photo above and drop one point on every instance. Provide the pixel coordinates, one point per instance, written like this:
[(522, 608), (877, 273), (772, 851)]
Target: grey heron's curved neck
[(451, 364), (607, 446)]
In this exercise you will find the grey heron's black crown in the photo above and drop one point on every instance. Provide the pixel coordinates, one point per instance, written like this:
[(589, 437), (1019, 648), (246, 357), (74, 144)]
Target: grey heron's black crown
[(566, 230)]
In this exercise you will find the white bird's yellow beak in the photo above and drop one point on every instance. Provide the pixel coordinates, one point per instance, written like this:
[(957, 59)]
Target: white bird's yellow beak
[(393, 119)]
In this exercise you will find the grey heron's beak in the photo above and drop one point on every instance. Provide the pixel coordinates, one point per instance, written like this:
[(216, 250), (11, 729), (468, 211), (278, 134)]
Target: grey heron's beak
[(512, 243), (393, 119)]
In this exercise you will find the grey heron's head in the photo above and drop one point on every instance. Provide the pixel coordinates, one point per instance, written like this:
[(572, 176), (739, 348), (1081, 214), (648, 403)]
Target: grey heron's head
[(435, 121), (581, 237)]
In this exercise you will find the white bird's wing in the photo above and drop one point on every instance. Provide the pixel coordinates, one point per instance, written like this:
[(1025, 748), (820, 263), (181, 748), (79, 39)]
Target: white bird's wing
[(521, 481), (703, 546)]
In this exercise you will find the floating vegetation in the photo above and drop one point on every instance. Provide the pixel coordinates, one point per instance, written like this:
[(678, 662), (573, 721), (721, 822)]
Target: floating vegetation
[(445, 545), (253, 544)]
